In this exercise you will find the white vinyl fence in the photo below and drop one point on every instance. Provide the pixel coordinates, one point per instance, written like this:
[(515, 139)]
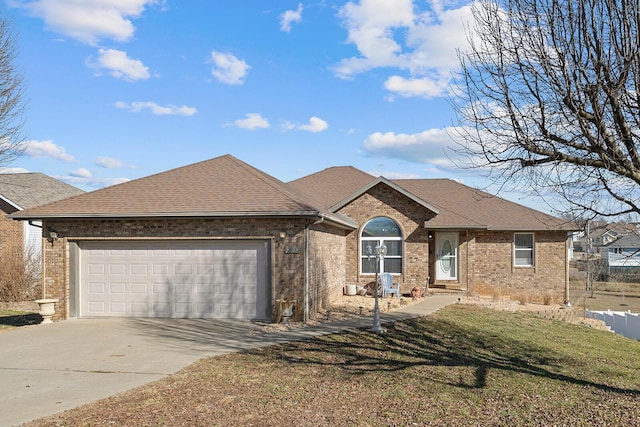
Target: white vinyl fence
[(621, 322)]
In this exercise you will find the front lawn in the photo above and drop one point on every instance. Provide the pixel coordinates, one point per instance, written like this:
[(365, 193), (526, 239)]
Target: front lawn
[(463, 366)]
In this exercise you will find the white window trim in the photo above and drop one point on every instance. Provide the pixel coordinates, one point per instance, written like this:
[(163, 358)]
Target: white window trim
[(378, 241), (532, 250)]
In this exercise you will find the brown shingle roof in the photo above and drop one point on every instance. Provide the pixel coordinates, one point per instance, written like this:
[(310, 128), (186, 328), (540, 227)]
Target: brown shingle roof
[(27, 190), (331, 185), (462, 206), (224, 186), (458, 206)]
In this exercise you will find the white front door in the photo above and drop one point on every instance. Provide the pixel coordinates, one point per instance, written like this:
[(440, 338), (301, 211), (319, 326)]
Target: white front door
[(447, 256)]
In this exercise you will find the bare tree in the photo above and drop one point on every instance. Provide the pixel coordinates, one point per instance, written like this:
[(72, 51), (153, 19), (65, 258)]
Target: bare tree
[(549, 100), (11, 96)]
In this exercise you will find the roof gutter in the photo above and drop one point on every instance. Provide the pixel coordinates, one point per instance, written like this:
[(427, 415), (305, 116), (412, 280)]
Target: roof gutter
[(335, 220)]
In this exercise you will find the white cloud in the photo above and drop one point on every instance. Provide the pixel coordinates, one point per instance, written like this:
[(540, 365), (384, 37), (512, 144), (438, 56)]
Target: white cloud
[(252, 121), (109, 163), (87, 21), (424, 87), (119, 65), (395, 175), (429, 147), (396, 34), (228, 69), (81, 173), (158, 110), (370, 25), (45, 149), (92, 182), (315, 125), (13, 170), (289, 17)]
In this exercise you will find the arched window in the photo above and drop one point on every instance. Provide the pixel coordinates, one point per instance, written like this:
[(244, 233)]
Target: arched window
[(376, 232)]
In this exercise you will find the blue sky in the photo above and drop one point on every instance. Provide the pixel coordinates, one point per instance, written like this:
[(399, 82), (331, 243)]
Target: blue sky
[(121, 89)]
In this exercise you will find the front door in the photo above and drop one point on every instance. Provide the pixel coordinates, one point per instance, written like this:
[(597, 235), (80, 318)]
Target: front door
[(447, 256)]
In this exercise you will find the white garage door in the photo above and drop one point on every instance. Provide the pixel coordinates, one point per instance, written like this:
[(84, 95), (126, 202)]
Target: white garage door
[(184, 279)]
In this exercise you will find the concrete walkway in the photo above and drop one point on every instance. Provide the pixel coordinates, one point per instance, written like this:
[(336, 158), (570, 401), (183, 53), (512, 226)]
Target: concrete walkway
[(46, 369)]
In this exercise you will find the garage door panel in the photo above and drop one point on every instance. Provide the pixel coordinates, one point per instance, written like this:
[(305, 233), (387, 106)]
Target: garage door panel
[(140, 308), (193, 279), (205, 289), (117, 269), (139, 288), (139, 269), (118, 307), (97, 307), (160, 288), (183, 269), (117, 288), (95, 269), (96, 288), (160, 269)]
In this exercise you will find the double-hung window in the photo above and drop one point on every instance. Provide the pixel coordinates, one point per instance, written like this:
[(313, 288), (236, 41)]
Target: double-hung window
[(379, 231), (523, 249)]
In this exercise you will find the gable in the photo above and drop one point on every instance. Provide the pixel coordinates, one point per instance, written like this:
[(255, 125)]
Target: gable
[(384, 200)]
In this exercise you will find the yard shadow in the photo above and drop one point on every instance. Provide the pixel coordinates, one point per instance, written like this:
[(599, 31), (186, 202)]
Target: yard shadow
[(437, 343), (21, 320)]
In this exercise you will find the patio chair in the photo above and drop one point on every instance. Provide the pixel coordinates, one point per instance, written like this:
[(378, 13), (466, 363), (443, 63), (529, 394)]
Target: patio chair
[(388, 287)]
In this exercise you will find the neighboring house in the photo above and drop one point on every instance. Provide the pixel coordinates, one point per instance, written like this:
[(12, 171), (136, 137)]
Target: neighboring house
[(221, 239), (622, 255), (20, 191), (601, 234)]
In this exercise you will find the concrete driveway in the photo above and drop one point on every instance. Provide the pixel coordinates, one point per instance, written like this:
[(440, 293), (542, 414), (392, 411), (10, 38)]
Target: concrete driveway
[(45, 369)]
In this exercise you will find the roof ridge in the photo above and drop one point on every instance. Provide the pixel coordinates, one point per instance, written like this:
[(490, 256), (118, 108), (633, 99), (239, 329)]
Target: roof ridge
[(272, 181)]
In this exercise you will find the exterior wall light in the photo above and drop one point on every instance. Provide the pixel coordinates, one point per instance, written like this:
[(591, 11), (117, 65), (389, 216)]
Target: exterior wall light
[(52, 235), (282, 234)]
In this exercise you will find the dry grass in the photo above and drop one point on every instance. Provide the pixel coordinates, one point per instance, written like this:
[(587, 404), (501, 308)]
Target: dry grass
[(466, 365), (606, 296)]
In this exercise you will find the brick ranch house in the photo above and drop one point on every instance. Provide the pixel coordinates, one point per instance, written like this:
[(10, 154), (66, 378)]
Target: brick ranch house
[(221, 239)]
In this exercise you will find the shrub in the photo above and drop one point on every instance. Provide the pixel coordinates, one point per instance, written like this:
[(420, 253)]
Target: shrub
[(19, 276)]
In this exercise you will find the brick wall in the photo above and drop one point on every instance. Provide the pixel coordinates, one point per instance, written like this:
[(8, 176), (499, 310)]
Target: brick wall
[(383, 200), (327, 266), (494, 273), (287, 255), (11, 235), (485, 259)]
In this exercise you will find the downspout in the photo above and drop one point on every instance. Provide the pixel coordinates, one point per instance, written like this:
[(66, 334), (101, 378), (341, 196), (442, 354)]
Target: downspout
[(306, 266), (31, 223), (43, 260), (306, 273), (468, 257)]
